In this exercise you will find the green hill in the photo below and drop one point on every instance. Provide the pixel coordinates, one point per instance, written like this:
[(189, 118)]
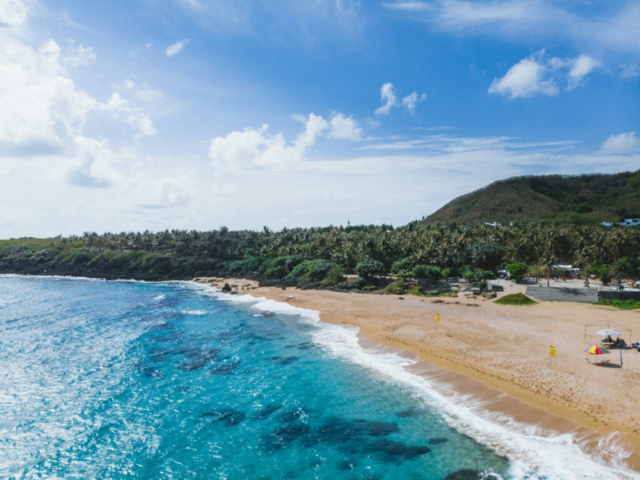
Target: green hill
[(583, 199)]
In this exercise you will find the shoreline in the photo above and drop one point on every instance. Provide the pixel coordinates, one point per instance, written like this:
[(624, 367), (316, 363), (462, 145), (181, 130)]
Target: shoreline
[(392, 323), (493, 391)]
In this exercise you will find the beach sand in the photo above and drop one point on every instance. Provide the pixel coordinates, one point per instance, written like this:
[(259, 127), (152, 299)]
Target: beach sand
[(506, 348)]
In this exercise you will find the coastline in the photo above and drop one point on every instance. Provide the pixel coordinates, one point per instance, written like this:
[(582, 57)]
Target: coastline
[(520, 382)]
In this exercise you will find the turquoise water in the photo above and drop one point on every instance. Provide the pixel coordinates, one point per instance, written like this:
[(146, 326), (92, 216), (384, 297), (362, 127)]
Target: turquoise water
[(172, 380)]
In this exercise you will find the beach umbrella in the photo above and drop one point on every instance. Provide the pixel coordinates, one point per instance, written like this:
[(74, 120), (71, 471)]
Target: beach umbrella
[(608, 332), (596, 350)]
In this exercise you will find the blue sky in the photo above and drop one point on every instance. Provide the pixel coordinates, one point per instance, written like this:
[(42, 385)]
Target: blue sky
[(128, 115)]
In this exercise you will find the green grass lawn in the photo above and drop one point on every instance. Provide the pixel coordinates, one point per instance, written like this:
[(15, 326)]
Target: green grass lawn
[(621, 304), (515, 299)]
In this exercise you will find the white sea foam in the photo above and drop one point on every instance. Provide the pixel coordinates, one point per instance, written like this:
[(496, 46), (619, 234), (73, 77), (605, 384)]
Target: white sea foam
[(194, 312), (159, 298), (534, 452)]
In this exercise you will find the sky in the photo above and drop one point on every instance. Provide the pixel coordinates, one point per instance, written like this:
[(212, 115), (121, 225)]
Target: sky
[(128, 115)]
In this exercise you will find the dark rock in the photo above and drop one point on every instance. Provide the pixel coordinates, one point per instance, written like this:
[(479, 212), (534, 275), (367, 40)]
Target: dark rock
[(199, 359), (228, 416), (466, 474), (389, 451), (410, 412), (224, 369), (292, 415), (284, 360), (226, 288), (438, 441), (267, 411)]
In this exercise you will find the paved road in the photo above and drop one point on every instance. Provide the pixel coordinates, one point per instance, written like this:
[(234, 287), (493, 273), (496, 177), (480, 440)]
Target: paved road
[(563, 294)]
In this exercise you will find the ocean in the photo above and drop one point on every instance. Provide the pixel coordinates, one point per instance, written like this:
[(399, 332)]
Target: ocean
[(115, 380)]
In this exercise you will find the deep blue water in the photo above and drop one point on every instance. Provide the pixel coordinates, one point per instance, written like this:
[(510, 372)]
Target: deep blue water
[(137, 380)]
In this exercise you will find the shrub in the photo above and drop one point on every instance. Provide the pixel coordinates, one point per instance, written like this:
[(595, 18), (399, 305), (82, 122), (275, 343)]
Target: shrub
[(602, 272), (482, 285), (396, 288), (485, 275), (450, 272), (515, 299), (335, 275), (82, 255), (276, 272), (517, 270), (403, 267), (358, 282), (270, 263), (369, 268), (313, 270), (427, 272)]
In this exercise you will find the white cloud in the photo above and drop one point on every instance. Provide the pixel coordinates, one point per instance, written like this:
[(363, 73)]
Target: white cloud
[(257, 148), (388, 96), (13, 13), (537, 74), (42, 110), (523, 80), (622, 143), (79, 56), (630, 71), (177, 47), (524, 20), (582, 66), (410, 101), (44, 114), (138, 121), (344, 127), (141, 91)]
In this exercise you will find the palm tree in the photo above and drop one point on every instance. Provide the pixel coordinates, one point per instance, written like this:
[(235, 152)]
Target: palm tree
[(546, 262)]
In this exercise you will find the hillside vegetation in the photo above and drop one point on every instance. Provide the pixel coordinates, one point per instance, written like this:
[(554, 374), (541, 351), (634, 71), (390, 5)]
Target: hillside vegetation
[(584, 199), (426, 254)]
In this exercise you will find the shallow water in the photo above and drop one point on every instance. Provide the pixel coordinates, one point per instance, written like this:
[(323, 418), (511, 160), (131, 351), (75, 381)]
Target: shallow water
[(172, 380)]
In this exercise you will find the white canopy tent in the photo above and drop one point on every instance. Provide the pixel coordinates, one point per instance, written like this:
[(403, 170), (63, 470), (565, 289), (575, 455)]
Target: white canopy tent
[(598, 328)]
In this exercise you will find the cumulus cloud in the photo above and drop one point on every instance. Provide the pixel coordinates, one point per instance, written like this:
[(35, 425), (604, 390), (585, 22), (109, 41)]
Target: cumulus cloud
[(257, 148), (41, 107), (44, 114), (13, 13), (177, 47), (410, 101), (524, 79), (388, 96), (538, 74), (138, 121), (344, 127), (622, 143), (580, 68)]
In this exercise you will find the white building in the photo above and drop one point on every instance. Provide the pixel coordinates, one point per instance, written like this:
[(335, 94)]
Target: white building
[(628, 222)]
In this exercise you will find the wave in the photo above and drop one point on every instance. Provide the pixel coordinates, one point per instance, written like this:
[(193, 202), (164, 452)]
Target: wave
[(534, 452)]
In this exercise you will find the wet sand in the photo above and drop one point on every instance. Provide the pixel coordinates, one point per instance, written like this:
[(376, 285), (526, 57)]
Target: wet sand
[(505, 351)]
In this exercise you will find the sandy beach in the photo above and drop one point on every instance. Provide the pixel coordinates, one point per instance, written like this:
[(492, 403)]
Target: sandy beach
[(506, 348)]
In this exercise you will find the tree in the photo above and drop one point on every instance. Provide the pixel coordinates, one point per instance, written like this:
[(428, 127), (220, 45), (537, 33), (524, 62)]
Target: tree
[(487, 256), (546, 262), (370, 268), (536, 272), (517, 270), (623, 268), (427, 272)]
